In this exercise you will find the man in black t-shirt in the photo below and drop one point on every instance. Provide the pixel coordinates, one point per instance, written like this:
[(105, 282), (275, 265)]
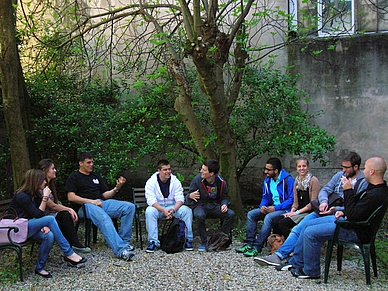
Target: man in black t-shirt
[(208, 194), (86, 187)]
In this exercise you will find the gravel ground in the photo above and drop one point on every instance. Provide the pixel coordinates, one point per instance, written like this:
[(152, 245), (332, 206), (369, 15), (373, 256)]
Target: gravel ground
[(182, 271)]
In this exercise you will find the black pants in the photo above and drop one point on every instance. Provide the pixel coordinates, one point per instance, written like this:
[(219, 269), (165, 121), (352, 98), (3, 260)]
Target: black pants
[(212, 211), (282, 225), (66, 225)]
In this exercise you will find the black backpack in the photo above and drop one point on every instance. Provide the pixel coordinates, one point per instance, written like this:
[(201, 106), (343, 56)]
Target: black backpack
[(173, 236)]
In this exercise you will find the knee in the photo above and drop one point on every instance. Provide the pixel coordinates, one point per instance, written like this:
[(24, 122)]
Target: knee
[(130, 207), (151, 212), (200, 217), (49, 238), (230, 214)]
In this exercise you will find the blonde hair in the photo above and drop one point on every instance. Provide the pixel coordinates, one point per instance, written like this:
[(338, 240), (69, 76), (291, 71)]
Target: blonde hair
[(302, 158)]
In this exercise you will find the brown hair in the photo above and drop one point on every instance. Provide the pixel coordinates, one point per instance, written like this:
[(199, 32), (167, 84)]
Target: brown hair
[(44, 165), (302, 158), (33, 179)]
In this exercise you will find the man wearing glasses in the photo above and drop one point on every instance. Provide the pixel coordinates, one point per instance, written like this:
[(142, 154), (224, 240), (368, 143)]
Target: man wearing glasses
[(350, 170), (277, 200)]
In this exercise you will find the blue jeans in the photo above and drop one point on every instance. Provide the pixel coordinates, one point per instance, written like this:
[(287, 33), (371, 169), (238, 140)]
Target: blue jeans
[(252, 218), (34, 231), (308, 247), (102, 218), (288, 246), (152, 215)]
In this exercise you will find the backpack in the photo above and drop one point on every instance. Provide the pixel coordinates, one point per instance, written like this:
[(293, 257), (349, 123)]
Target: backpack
[(173, 236), (217, 241)]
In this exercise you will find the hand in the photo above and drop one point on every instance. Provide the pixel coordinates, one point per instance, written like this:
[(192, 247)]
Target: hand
[(46, 192), (323, 207), (346, 183), (289, 214), (263, 209), (270, 209), (120, 182), (73, 214), (195, 196), (339, 214), (330, 211), (96, 202), (224, 208), (168, 213), (45, 229)]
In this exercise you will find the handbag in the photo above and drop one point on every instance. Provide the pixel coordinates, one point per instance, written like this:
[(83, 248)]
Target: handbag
[(14, 236), (275, 241)]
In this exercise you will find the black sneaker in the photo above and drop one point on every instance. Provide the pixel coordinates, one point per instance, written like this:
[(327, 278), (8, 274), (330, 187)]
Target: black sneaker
[(301, 275), (151, 247), (284, 267), (188, 246)]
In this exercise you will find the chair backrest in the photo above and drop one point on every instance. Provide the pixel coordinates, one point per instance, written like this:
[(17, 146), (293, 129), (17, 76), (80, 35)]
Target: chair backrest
[(376, 218)]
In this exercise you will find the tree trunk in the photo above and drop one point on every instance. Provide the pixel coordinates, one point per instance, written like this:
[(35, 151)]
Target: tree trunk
[(13, 89)]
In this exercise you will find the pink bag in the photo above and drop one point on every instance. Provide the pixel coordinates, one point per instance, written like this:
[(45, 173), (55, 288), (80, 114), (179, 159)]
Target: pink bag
[(16, 237)]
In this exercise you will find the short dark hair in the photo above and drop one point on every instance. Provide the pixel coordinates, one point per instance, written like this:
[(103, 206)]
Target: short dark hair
[(162, 163), (213, 166), (276, 163), (83, 156), (353, 158)]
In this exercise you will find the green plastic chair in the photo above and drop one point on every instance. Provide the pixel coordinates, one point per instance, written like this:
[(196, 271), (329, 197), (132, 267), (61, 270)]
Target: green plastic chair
[(367, 249)]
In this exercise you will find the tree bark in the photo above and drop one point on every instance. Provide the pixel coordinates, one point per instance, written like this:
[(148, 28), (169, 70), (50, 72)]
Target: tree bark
[(13, 92)]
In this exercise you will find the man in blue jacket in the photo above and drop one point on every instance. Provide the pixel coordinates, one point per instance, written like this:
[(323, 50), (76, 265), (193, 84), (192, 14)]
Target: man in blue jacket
[(277, 200)]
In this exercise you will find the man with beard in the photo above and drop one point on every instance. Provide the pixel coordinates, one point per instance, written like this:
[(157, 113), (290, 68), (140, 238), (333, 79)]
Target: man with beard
[(277, 199), (351, 170), (358, 207)]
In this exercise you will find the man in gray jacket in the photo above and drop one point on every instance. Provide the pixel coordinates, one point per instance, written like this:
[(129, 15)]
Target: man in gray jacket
[(351, 169), (208, 194)]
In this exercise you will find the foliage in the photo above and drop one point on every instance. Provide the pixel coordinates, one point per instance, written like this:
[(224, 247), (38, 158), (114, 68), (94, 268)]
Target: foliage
[(269, 118), (73, 116)]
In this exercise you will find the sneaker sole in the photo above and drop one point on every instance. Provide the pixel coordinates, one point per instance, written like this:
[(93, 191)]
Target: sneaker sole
[(308, 277), (200, 250), (189, 249), (264, 263), (149, 251)]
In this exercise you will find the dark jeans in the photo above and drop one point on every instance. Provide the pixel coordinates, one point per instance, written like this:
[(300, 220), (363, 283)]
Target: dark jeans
[(212, 211), (66, 225), (282, 225)]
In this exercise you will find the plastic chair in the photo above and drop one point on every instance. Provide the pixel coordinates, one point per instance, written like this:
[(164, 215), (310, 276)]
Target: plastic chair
[(367, 249)]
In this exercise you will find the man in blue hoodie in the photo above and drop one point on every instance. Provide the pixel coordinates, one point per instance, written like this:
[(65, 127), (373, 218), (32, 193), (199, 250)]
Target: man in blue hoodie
[(277, 199)]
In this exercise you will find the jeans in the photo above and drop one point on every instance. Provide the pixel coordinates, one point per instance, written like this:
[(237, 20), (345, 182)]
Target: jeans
[(288, 246), (152, 215), (252, 218), (308, 248), (201, 212), (102, 218), (34, 231)]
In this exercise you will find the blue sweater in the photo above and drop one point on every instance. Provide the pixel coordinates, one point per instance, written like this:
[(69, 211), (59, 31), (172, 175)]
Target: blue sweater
[(286, 197)]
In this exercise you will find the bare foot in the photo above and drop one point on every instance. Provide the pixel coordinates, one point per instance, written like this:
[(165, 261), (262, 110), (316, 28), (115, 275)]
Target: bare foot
[(74, 257)]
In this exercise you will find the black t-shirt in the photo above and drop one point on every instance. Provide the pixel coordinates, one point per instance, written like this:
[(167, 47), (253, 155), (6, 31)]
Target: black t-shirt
[(87, 186), (164, 187)]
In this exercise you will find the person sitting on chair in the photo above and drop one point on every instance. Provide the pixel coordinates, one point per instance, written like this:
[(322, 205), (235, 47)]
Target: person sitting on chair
[(208, 194), (164, 194)]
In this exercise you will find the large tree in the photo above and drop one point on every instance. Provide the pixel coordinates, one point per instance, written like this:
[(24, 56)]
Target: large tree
[(14, 93), (216, 38)]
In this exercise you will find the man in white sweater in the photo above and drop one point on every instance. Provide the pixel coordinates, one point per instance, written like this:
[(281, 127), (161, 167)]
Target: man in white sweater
[(164, 194)]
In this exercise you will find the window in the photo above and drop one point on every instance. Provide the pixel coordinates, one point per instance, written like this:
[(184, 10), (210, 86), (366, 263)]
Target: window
[(335, 17)]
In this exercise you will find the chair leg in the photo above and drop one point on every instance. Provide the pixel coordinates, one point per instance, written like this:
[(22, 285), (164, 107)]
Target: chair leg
[(20, 258), (373, 258), (329, 252), (141, 236), (88, 226), (340, 253), (94, 233), (365, 254), (32, 248)]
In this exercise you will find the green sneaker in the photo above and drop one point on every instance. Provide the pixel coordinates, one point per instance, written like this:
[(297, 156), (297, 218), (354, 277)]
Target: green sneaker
[(252, 253), (244, 249)]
